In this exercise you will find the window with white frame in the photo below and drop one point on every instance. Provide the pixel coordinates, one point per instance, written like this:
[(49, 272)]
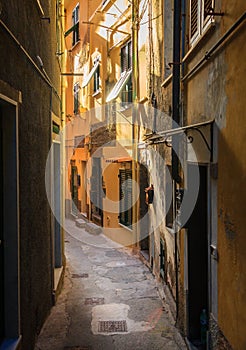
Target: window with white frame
[(96, 87), (75, 20), (200, 18)]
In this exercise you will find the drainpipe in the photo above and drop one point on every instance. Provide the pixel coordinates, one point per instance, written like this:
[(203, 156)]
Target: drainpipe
[(135, 99), (176, 119), (63, 125)]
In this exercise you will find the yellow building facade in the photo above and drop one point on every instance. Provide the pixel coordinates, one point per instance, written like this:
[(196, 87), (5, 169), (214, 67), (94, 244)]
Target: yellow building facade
[(196, 249)]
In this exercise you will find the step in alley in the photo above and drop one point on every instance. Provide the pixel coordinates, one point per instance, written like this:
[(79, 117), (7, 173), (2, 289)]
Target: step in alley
[(109, 300)]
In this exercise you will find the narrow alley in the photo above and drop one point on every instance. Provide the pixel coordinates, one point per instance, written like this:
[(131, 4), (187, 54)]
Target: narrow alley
[(110, 300)]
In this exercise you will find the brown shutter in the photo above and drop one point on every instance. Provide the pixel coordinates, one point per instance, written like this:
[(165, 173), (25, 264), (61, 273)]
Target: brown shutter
[(194, 17), (208, 4)]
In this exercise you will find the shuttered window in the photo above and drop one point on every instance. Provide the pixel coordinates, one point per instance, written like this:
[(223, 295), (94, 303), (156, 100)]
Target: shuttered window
[(199, 17), (75, 20), (194, 17), (126, 56), (208, 5), (125, 215), (126, 65)]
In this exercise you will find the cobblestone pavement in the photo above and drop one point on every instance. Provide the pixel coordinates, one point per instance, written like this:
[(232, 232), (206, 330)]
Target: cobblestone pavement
[(109, 301)]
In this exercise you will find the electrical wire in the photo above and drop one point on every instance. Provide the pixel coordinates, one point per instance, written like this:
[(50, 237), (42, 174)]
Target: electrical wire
[(152, 19)]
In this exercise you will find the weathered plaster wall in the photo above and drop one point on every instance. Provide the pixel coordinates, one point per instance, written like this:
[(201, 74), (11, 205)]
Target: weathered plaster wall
[(232, 193), (217, 91), (38, 37)]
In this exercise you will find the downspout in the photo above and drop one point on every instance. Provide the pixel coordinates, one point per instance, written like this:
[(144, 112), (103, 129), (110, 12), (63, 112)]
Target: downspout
[(135, 99), (175, 138), (63, 126)]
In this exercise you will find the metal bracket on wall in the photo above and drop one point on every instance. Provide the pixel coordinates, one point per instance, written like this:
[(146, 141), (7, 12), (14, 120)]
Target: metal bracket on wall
[(211, 12), (190, 138)]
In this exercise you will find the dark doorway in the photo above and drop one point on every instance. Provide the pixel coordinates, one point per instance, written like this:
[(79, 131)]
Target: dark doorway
[(9, 223), (57, 206), (197, 258), (74, 189), (1, 234)]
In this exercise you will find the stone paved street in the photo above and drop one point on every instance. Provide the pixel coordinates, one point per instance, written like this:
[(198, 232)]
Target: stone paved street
[(110, 300)]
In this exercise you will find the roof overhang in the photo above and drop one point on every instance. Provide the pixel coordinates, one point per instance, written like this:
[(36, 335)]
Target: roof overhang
[(199, 135), (175, 131)]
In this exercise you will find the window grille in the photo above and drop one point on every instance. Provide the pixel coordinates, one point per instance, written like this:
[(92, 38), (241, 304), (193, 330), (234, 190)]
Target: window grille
[(194, 17)]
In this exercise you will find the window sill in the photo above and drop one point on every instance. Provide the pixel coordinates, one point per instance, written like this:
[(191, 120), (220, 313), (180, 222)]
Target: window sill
[(96, 93), (196, 46), (76, 44), (126, 227)]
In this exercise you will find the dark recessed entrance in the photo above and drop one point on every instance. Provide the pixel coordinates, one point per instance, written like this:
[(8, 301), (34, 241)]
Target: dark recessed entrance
[(197, 258)]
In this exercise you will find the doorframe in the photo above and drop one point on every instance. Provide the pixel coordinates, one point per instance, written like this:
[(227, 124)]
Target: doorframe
[(11, 231)]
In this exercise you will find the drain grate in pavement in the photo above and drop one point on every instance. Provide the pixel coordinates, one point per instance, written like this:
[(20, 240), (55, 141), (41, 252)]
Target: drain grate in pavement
[(94, 301), (112, 326), (80, 275)]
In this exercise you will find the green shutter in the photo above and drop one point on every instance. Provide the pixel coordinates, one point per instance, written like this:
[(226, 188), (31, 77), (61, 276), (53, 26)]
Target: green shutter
[(125, 215)]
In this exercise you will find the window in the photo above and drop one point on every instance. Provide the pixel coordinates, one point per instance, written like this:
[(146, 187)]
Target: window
[(96, 78), (126, 65), (76, 89), (75, 26), (199, 18), (125, 215)]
